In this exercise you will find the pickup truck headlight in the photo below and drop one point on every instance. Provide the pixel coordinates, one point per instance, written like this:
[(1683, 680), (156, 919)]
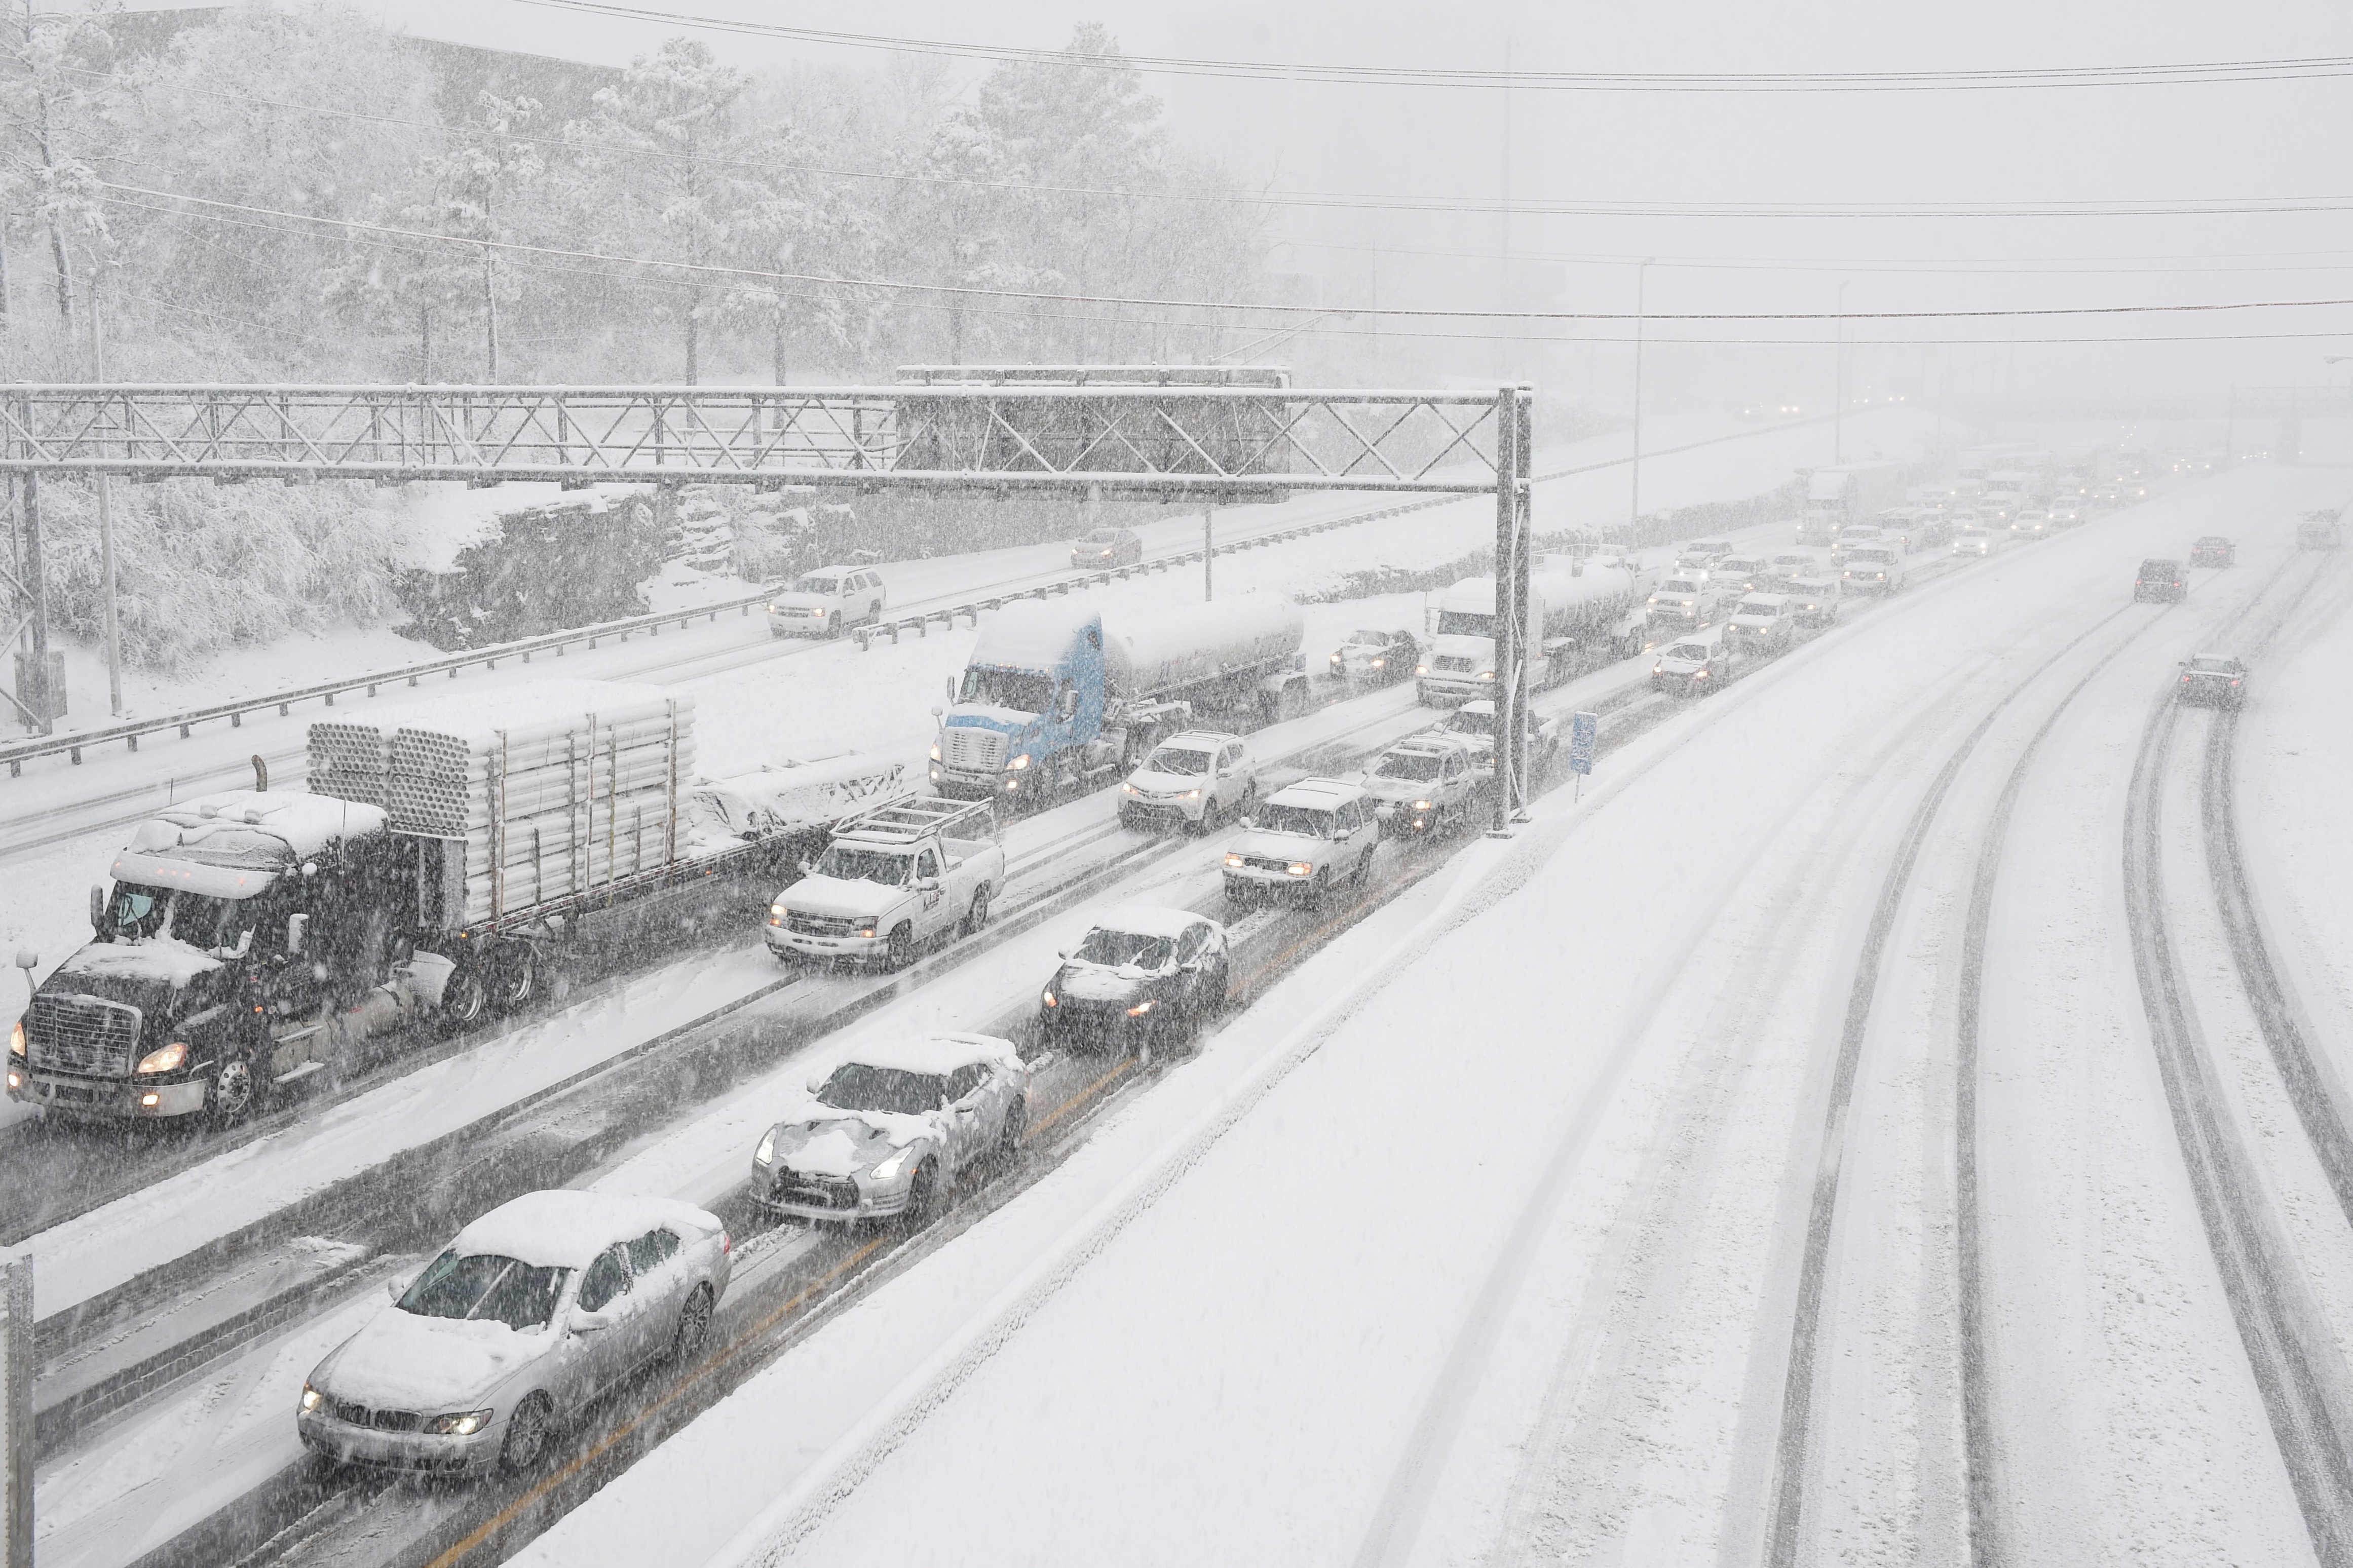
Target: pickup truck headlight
[(888, 1171), (766, 1155), (1140, 1009), (1017, 764), (779, 914), (1190, 794), (1047, 997), (167, 1060), (311, 1399), (869, 925), (819, 612), (1235, 861), (461, 1423), (1302, 869), (1421, 670), (1421, 806)]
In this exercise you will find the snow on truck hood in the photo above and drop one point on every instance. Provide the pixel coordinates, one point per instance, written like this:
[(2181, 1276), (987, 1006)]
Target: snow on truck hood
[(838, 895), (982, 716), (404, 1361), (162, 959)]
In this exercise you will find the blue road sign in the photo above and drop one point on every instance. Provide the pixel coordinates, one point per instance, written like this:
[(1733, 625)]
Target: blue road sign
[(1583, 729)]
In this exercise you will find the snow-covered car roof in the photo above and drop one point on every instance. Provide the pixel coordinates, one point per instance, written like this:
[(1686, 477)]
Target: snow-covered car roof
[(1199, 740), (935, 1054), (566, 1227), (1763, 605), (1485, 705), (829, 572), (1149, 919), (1322, 793)]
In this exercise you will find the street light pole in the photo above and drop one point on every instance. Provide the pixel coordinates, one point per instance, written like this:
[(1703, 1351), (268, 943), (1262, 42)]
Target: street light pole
[(1634, 513), (1838, 420)]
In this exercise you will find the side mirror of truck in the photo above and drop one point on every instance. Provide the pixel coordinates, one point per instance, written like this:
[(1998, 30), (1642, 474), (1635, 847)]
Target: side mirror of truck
[(1250, 822), (98, 908), (937, 710), (27, 961), (298, 930), (309, 869), (927, 884)]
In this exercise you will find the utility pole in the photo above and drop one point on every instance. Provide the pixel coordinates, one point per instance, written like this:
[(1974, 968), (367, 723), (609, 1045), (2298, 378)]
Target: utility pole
[(105, 519), (1634, 509), (1838, 420), (1503, 221), (1512, 631), (491, 316), (1208, 550)]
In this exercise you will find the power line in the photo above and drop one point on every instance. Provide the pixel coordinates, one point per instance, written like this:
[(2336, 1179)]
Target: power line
[(1220, 306), (1292, 73), (1924, 267)]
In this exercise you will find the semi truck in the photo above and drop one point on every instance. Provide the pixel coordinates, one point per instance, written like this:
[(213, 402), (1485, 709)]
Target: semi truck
[(1574, 610), (1058, 696), (1856, 492), (250, 939)]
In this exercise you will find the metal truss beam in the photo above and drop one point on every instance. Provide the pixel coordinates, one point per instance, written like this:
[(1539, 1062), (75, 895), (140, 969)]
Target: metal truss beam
[(1203, 442)]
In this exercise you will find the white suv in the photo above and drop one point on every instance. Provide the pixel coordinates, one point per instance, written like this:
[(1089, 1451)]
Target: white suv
[(1191, 781), (1872, 569), (1305, 841), (825, 602)]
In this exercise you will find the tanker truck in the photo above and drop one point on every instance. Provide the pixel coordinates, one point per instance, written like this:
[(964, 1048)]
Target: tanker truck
[(443, 856), (1058, 696), (1578, 614)]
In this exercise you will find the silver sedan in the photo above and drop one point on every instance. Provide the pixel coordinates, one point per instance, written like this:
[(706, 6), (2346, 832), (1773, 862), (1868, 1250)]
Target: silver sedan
[(535, 1310)]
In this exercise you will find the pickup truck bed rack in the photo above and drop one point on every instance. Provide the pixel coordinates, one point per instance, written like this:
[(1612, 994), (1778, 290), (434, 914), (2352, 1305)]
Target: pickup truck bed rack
[(911, 821)]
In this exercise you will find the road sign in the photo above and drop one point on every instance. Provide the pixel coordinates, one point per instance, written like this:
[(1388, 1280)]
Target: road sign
[(1583, 729)]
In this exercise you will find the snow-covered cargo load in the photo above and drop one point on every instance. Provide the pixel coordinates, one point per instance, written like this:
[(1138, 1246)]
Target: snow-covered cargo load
[(1573, 610), (790, 799), (1057, 694)]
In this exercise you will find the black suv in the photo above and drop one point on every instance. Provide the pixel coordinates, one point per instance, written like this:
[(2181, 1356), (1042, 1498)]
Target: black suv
[(2161, 580)]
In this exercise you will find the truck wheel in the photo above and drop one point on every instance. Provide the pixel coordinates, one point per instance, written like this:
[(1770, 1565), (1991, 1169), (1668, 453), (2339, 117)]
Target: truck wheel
[(240, 1088), (901, 950), (516, 979), (978, 916), (465, 1000)]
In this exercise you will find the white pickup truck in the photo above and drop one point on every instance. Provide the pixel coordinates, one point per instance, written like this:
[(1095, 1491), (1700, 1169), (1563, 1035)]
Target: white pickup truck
[(890, 882)]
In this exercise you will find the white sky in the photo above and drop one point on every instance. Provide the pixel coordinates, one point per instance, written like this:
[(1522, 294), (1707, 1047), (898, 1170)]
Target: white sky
[(2288, 138)]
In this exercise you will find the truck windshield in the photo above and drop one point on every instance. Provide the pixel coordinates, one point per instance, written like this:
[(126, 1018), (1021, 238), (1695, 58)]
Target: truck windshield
[(486, 1287), (1302, 819), (863, 864), (200, 921), (1472, 723), (1179, 760), (854, 1085), (1117, 947), (1017, 689), (1466, 622), (1407, 765)]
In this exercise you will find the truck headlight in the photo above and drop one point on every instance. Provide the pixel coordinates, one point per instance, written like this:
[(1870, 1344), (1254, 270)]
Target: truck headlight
[(936, 751), (1421, 806), (1190, 794), (167, 1060), (888, 1171), (311, 1399), (462, 1424), (766, 1155), (1421, 670), (778, 914), (1234, 862), (1140, 1009), (1018, 762), (819, 612), (1129, 789), (1302, 869), (1047, 997), (1486, 675), (16, 1040)]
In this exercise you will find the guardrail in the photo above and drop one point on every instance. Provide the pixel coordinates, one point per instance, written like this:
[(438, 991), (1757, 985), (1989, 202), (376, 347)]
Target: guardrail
[(73, 746)]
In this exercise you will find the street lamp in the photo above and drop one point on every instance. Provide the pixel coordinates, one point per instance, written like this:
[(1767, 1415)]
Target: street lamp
[(1634, 515)]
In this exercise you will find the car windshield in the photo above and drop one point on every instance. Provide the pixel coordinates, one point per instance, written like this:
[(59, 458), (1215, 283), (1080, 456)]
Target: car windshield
[(485, 1288), (895, 1091), (1017, 689), (1679, 586), (1101, 536), (2214, 666), (885, 866), (1369, 639), (1179, 760), (817, 585), (1408, 765), (1466, 722), (1312, 821), (2157, 568), (200, 921), (1694, 651), (1114, 948)]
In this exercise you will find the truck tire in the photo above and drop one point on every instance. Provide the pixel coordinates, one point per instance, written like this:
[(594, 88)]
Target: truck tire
[(465, 1000), (242, 1087), (902, 949), (978, 916), (514, 977)]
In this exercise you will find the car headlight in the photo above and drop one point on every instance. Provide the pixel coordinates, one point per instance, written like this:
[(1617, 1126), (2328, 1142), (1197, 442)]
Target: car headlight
[(1657, 670), (1421, 806), (819, 612), (16, 1040), (1047, 997), (1235, 861), (311, 1399), (169, 1058), (1190, 794), (1129, 789), (461, 1423), (1140, 1009), (888, 1171), (1380, 664), (1421, 670), (1302, 869), (766, 1155), (1486, 675), (1335, 659), (772, 609), (1018, 762)]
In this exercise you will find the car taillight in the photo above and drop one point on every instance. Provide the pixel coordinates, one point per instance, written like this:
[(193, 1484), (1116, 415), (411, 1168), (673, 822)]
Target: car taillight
[(727, 1244)]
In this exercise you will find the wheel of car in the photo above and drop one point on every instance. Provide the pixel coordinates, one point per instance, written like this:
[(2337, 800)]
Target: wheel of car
[(1008, 1141), (978, 916), (241, 1088), (922, 1196), (693, 1323), (528, 1430), (902, 948), (1364, 871)]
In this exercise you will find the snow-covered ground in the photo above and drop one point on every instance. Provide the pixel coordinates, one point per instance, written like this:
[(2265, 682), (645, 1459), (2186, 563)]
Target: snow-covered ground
[(1478, 1233)]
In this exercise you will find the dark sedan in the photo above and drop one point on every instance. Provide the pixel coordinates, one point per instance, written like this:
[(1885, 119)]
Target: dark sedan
[(2161, 580), (1142, 976), (2214, 551), (1107, 547), (2213, 680)]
